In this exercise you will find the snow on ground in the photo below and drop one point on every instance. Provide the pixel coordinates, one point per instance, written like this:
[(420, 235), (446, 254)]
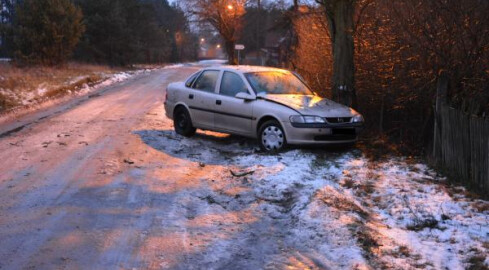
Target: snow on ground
[(401, 199), (201, 63), (340, 210), (114, 78), (173, 66), (110, 79), (213, 62)]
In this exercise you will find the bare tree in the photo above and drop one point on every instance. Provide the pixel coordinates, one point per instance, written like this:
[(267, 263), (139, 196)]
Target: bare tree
[(224, 15)]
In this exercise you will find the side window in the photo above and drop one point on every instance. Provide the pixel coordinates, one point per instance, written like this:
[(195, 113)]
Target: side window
[(207, 81), (232, 84), (190, 80)]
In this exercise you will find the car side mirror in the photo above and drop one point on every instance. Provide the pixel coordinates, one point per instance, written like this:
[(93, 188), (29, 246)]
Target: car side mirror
[(245, 96)]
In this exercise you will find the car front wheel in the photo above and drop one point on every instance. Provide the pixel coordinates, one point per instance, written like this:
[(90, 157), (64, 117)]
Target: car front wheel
[(271, 136), (183, 123)]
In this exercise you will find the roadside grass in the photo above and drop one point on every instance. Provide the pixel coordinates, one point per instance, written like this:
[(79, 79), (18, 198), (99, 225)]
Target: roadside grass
[(21, 86)]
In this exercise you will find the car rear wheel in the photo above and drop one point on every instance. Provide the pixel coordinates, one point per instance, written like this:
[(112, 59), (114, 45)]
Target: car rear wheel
[(271, 136), (183, 123)]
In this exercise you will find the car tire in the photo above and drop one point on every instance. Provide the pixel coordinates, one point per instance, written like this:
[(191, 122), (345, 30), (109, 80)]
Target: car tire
[(271, 136), (183, 123)]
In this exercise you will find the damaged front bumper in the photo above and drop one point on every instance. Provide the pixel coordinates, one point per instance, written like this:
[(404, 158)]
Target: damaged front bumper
[(323, 133)]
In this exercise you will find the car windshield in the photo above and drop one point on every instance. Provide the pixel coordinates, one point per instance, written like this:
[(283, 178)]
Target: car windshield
[(277, 82)]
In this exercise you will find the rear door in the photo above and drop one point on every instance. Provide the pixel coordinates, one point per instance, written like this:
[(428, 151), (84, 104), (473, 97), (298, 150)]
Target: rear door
[(201, 99), (233, 114)]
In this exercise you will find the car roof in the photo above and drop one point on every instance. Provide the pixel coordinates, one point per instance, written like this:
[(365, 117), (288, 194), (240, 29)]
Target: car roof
[(246, 69)]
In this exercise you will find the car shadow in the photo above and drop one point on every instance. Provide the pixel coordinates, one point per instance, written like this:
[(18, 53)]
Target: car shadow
[(220, 149), (204, 147)]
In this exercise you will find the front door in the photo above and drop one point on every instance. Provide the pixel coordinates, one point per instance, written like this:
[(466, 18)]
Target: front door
[(232, 114)]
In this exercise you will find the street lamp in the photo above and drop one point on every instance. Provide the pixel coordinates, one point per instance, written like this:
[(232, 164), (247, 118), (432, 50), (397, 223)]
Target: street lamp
[(230, 7)]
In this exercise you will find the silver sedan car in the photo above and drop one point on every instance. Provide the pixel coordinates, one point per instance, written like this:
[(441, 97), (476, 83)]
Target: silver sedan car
[(272, 105)]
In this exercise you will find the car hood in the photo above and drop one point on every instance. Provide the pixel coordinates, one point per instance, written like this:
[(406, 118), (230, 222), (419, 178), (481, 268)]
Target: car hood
[(312, 105)]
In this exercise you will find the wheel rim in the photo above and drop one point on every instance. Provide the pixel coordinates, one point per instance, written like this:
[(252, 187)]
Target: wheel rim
[(182, 121), (272, 138)]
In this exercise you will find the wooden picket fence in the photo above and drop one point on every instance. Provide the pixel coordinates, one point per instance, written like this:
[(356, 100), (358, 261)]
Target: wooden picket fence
[(461, 143)]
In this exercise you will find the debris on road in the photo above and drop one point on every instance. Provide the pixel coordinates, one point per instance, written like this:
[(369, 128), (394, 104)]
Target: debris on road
[(241, 174), (46, 144), (128, 161)]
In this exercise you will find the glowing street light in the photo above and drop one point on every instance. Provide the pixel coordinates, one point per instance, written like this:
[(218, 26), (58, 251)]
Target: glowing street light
[(218, 46), (230, 7), (202, 40)]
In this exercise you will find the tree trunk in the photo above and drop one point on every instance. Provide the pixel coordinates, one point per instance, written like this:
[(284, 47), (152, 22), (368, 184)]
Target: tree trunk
[(230, 52), (341, 26)]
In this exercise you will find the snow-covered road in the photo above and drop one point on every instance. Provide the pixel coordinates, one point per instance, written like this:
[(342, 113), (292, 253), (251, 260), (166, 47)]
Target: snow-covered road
[(103, 182)]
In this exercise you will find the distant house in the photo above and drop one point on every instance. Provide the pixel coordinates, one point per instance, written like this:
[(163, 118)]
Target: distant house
[(272, 54)]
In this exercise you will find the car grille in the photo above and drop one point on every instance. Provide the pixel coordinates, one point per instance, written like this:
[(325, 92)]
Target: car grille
[(338, 120)]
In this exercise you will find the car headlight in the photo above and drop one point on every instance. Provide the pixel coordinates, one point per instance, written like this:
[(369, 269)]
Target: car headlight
[(358, 119), (307, 119)]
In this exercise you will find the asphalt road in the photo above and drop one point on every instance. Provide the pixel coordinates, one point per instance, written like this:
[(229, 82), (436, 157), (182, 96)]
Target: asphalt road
[(71, 180)]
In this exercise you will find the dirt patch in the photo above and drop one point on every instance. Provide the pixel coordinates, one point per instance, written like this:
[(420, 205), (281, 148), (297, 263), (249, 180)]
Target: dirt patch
[(334, 199), (477, 263), (421, 224), (378, 148)]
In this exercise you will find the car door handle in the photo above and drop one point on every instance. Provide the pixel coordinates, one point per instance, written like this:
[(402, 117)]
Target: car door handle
[(218, 102), (191, 96)]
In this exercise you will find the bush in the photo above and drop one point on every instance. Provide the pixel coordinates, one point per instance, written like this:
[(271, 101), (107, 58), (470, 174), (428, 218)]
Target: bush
[(47, 31)]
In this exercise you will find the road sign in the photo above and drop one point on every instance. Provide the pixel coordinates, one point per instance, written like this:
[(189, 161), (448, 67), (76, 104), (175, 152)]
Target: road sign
[(239, 47)]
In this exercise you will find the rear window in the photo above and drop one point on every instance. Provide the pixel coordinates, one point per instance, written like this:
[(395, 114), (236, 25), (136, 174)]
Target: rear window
[(190, 80)]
